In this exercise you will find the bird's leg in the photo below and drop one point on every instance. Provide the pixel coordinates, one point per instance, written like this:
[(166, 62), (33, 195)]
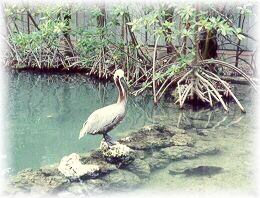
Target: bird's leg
[(108, 140)]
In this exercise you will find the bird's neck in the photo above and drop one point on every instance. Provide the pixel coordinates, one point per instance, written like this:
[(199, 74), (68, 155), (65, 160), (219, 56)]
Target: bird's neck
[(121, 92)]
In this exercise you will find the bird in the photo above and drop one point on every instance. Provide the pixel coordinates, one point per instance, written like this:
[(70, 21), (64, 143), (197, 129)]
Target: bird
[(103, 120)]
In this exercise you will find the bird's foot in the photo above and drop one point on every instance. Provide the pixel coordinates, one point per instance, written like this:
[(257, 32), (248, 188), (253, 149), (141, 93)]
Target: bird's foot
[(111, 143), (109, 140)]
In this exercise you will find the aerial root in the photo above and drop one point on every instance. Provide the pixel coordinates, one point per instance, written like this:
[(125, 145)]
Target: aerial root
[(207, 86)]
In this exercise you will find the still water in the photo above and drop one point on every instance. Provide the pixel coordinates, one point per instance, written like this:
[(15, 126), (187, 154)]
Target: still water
[(46, 113)]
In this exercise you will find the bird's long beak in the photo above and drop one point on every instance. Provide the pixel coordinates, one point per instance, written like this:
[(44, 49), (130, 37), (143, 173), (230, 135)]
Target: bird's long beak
[(124, 83)]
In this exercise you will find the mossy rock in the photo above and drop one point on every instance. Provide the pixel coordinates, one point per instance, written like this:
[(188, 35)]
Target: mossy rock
[(152, 136), (140, 168), (40, 181), (91, 186), (157, 162), (186, 152), (121, 180), (182, 140), (118, 154)]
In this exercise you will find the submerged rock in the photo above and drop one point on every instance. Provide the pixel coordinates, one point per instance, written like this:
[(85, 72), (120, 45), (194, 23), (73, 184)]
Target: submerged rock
[(140, 168), (117, 154), (202, 132), (182, 140), (186, 152), (156, 162), (121, 180), (91, 186), (197, 171)]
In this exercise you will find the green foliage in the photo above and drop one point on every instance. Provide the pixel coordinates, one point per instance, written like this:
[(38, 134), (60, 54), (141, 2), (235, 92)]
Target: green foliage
[(88, 42), (27, 43), (245, 10)]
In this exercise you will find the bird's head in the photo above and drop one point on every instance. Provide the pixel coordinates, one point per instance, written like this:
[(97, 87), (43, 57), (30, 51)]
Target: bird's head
[(119, 74)]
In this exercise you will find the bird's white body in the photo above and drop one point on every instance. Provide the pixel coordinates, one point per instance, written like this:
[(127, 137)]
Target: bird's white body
[(105, 119)]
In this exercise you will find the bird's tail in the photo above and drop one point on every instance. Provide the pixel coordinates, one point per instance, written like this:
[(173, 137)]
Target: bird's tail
[(82, 133)]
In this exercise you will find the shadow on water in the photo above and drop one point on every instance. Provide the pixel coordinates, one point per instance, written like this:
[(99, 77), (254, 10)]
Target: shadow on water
[(46, 113)]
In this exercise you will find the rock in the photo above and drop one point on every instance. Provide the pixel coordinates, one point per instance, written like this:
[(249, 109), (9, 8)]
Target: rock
[(171, 129), (74, 169), (140, 168), (202, 132), (204, 149), (96, 157), (182, 140), (148, 137), (40, 181), (197, 171), (186, 152), (91, 186), (124, 165), (178, 153), (120, 180), (118, 154), (156, 162), (177, 171)]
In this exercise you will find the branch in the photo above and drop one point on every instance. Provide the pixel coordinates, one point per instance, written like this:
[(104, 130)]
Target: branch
[(208, 61), (154, 64)]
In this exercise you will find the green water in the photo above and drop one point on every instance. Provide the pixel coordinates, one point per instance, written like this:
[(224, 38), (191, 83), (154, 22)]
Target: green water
[(46, 113)]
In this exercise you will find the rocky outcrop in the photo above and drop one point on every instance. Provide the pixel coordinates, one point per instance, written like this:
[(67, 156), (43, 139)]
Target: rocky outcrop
[(148, 137), (41, 181), (121, 180), (122, 166), (182, 140), (118, 154), (140, 168), (72, 168)]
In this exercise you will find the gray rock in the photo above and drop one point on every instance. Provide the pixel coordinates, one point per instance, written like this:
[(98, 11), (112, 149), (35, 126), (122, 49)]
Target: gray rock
[(140, 168), (121, 180), (202, 132), (178, 153), (157, 162), (71, 167), (182, 140), (186, 152), (148, 137), (40, 181), (91, 186), (96, 157), (117, 154)]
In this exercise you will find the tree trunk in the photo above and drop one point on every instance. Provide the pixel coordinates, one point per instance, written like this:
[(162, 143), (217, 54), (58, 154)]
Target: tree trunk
[(168, 18)]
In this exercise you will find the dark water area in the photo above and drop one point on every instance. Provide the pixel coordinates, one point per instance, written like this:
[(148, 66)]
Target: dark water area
[(46, 113)]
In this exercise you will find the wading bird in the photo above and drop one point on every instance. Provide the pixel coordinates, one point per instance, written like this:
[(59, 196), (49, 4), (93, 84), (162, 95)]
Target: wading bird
[(105, 119)]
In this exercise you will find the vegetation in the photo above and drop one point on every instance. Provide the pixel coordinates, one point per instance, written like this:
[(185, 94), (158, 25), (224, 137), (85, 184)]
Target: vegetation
[(112, 38)]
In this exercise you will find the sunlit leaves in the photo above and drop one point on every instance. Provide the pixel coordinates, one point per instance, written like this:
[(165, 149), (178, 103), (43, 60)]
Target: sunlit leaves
[(186, 12), (96, 12), (245, 10)]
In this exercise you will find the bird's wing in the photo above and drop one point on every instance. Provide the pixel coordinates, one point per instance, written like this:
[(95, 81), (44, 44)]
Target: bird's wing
[(102, 118)]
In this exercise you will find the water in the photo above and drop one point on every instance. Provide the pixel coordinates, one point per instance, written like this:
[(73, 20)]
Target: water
[(46, 113)]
